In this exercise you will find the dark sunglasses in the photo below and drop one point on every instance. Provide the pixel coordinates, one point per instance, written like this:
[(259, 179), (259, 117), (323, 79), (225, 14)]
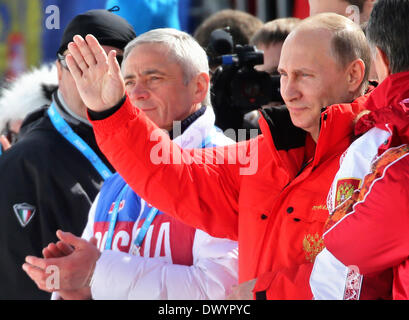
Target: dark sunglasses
[(63, 63)]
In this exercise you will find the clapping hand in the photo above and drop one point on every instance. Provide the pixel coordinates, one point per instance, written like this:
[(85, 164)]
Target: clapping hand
[(72, 260)]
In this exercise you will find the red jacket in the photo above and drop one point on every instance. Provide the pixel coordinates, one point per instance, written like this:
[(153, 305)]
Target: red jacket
[(276, 212), (371, 231)]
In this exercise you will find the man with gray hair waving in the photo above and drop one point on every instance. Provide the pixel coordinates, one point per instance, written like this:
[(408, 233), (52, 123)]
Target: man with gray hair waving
[(146, 253)]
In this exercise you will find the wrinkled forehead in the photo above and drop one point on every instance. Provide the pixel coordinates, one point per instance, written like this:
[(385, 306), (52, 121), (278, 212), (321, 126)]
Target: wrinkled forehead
[(153, 52), (150, 58)]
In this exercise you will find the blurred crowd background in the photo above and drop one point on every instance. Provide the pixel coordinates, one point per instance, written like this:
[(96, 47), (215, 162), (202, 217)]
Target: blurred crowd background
[(30, 30)]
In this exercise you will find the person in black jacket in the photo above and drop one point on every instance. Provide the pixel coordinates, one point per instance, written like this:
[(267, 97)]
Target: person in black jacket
[(50, 177)]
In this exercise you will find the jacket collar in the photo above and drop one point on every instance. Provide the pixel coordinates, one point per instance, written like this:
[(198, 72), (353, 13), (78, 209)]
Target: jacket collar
[(184, 124), (336, 130), (198, 130), (387, 110), (65, 111), (284, 134), (391, 92)]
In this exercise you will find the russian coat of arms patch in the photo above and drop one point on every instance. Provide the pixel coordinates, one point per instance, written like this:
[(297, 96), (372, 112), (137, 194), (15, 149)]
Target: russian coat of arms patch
[(345, 189)]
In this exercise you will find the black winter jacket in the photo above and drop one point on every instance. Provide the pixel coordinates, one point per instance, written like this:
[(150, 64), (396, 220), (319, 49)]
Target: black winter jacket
[(45, 185)]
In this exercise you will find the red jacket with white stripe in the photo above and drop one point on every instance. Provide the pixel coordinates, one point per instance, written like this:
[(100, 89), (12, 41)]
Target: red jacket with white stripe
[(368, 229)]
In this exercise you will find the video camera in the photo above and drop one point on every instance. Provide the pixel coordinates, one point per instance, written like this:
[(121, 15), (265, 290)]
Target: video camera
[(236, 86)]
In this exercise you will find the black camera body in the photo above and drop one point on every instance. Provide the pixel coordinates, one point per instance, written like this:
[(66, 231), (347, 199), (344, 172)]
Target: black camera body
[(246, 88), (237, 88)]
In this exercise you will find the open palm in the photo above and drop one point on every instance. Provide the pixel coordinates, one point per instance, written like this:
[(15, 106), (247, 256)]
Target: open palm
[(97, 76)]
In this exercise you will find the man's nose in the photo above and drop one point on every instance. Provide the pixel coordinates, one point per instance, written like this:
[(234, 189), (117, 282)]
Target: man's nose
[(290, 90), (139, 92)]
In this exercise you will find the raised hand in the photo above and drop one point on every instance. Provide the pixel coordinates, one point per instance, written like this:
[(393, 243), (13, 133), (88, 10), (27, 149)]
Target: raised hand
[(97, 76)]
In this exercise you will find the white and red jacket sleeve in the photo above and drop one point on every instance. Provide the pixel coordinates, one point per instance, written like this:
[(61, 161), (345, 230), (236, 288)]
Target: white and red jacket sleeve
[(374, 236)]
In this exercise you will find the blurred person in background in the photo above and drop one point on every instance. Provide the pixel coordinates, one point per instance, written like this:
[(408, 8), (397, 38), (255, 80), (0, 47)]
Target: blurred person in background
[(343, 7), (241, 27), (270, 39), (373, 76), (30, 91), (145, 15)]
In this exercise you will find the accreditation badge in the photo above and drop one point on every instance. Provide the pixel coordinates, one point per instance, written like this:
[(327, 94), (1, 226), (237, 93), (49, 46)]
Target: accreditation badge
[(135, 250)]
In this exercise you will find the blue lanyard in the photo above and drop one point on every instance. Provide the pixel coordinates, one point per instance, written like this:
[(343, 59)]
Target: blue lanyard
[(65, 130), (209, 138), (149, 218), (144, 229), (153, 212), (114, 217)]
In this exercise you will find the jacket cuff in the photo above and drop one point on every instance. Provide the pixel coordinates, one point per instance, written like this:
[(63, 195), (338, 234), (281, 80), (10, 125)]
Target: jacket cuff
[(112, 276), (124, 113), (262, 285), (95, 115)]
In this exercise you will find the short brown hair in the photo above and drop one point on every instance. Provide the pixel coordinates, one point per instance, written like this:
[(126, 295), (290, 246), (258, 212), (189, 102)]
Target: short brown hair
[(274, 31), (348, 41), (242, 26)]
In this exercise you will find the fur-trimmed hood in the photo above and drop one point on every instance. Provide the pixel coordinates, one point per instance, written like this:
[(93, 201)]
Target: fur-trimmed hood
[(28, 92)]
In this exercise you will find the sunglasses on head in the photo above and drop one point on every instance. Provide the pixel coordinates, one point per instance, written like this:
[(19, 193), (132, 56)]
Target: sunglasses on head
[(63, 63)]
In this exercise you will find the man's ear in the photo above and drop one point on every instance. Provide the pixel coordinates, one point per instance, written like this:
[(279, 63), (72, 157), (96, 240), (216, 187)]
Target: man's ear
[(382, 64), (201, 86), (59, 70), (355, 75)]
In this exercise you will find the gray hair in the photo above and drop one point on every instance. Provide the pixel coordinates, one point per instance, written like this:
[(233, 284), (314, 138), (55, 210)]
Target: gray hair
[(182, 48), (387, 30)]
